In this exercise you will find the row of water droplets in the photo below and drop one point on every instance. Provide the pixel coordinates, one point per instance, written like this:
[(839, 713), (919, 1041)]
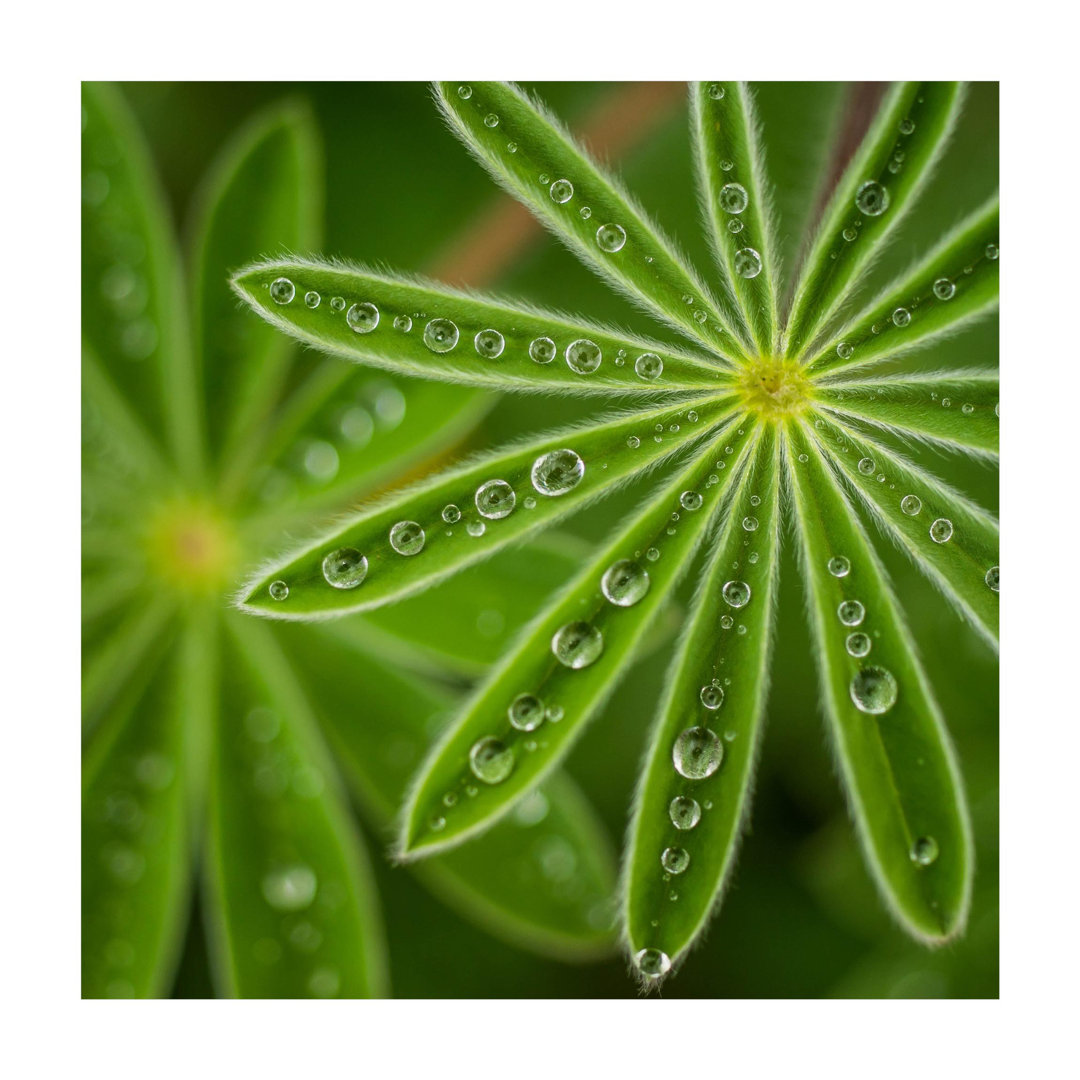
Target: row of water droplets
[(733, 199), (698, 751), (441, 335), (554, 473)]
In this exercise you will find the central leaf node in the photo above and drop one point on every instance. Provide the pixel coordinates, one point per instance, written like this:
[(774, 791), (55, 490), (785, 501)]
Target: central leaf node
[(190, 546), (775, 388)]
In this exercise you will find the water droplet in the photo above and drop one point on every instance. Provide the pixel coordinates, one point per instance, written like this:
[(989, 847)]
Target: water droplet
[(839, 566), (312, 299), (610, 238), (993, 578), (750, 523), (511, 148), (850, 234), (652, 554), (279, 590), (907, 126), (712, 696), (407, 538), (691, 500), (901, 317), (944, 289), (684, 812), (941, 530), (451, 514), (491, 120), (649, 366), (363, 318), (337, 303), (924, 851), (747, 263), (735, 226), (715, 91), (440, 335), (586, 212), (475, 528), (345, 568), (554, 713), (803, 459), (557, 472), (489, 343), (726, 165), (290, 888), (866, 466), (624, 583), (652, 963), (633, 442), (675, 860), (529, 502), (844, 350), (872, 198), (874, 690), (491, 760), (736, 594), (858, 644), (282, 290), (967, 408), (583, 356), (733, 198), (542, 350), (697, 753), (526, 712), (946, 403), (561, 191), (992, 251), (851, 613), (495, 499), (911, 505), (464, 92)]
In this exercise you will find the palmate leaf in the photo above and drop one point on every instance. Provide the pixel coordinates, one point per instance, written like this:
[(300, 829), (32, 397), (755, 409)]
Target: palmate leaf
[(893, 753), (422, 328), (371, 571), (731, 171), (291, 907), (956, 410), (949, 538), (525, 717), (956, 283), (543, 879), (529, 153), (878, 189), (693, 796)]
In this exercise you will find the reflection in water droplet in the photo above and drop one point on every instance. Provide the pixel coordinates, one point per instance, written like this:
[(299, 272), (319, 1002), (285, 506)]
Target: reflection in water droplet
[(712, 696), (441, 335), (675, 860), (736, 594), (874, 690), (858, 644), (279, 590), (851, 613), (363, 318), (491, 760), (872, 199), (583, 356), (557, 472), (526, 712), (542, 350), (489, 344), (624, 583), (495, 499), (684, 812), (282, 291), (649, 366), (924, 851), (911, 505), (697, 753), (577, 644), (407, 538), (610, 238), (345, 568), (652, 963), (839, 566), (561, 191), (941, 531)]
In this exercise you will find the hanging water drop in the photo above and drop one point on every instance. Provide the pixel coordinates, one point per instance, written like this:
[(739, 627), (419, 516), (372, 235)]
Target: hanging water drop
[(652, 963)]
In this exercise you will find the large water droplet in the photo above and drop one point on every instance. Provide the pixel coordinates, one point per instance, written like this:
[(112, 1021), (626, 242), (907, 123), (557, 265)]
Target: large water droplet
[(872, 198), (684, 812), (282, 290), (495, 499), (944, 289), (489, 343), (407, 538), (733, 198), (561, 191), (491, 760), (866, 466), (557, 472), (911, 505), (610, 238), (652, 963), (279, 590), (839, 566), (851, 613), (697, 753), (874, 690), (649, 366), (736, 594), (691, 500), (675, 860), (441, 335), (844, 350), (941, 530), (625, 582), (577, 644), (901, 316), (526, 712), (542, 350), (290, 888), (363, 318), (747, 263), (345, 568), (583, 356)]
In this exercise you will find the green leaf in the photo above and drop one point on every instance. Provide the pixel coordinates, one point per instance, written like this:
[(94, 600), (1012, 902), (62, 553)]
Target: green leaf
[(735, 189), (949, 538), (894, 756), (132, 294), (543, 879), (651, 550), (717, 685), (598, 219), (957, 410), (263, 193), (956, 283), (139, 805), (412, 326), (292, 910), (607, 460), (878, 188)]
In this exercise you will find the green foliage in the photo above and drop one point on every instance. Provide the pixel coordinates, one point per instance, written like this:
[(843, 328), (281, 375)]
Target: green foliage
[(771, 413)]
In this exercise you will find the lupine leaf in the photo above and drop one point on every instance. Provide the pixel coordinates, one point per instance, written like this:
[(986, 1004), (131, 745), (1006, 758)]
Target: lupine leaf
[(607, 458), (262, 194), (954, 284), (917, 511), (543, 879), (874, 195), (957, 410), (139, 809), (893, 752), (598, 220), (132, 292), (717, 684), (292, 910), (606, 634), (421, 328), (735, 189)]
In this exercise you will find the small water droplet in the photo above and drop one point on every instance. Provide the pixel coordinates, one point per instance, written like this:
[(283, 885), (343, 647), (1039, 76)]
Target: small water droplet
[(312, 299), (697, 753), (992, 251), (489, 344), (475, 528), (363, 318), (407, 538), (491, 120), (844, 350), (441, 335), (337, 303), (583, 356), (675, 860), (542, 350), (691, 500), (610, 238), (649, 366), (874, 690), (941, 530), (345, 568), (747, 263), (993, 578), (577, 644), (511, 148), (715, 91), (586, 212), (907, 126), (561, 191), (967, 408), (451, 514), (872, 198), (851, 613), (944, 289), (557, 472), (495, 499), (735, 226), (652, 963), (526, 712), (633, 442), (491, 760), (624, 583), (290, 888), (924, 851), (858, 644), (712, 696), (282, 291), (279, 590), (684, 812), (554, 713), (464, 92), (866, 466), (901, 316), (736, 594), (733, 198)]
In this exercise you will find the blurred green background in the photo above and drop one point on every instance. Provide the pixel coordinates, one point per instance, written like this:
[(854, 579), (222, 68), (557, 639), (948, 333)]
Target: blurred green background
[(802, 918)]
